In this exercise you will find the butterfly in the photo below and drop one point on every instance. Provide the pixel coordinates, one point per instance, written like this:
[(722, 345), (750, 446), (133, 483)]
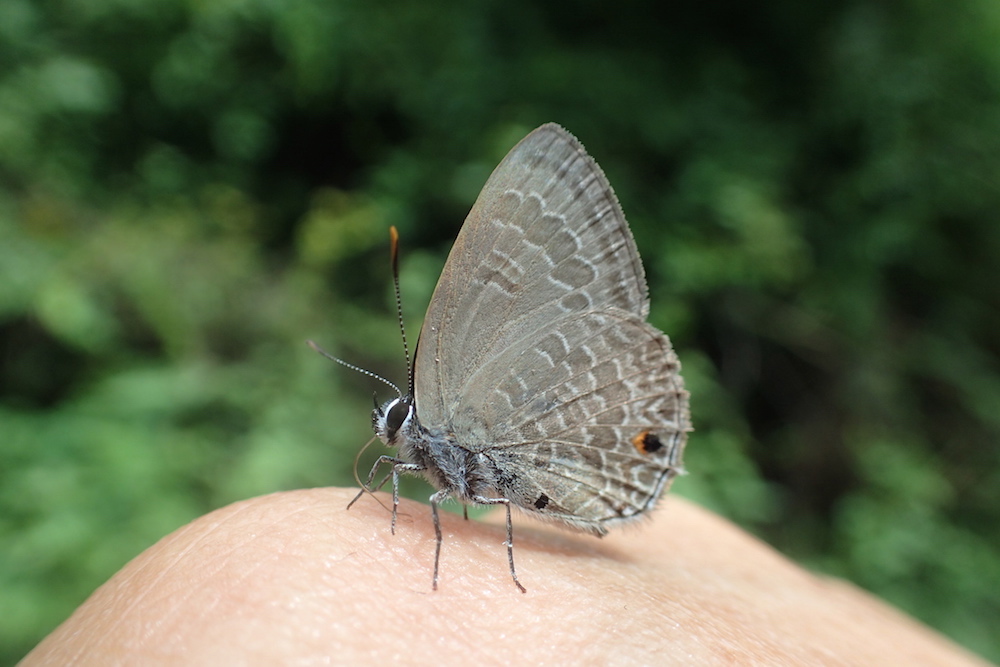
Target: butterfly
[(537, 382)]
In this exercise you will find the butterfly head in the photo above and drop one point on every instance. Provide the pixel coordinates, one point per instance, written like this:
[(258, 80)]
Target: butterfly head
[(393, 419)]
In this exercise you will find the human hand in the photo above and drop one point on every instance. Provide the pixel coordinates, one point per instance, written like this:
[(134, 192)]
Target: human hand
[(295, 578)]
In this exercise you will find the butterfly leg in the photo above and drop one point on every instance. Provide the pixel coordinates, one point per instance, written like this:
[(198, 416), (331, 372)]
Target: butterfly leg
[(436, 498), (482, 500), (397, 466), (367, 486)]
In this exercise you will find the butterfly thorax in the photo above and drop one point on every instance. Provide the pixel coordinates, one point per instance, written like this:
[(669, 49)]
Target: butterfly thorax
[(441, 458)]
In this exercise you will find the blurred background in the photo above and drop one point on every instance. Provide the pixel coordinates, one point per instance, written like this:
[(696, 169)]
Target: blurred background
[(190, 190)]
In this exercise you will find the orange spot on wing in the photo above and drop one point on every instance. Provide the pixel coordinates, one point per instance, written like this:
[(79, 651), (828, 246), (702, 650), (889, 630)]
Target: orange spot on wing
[(647, 442)]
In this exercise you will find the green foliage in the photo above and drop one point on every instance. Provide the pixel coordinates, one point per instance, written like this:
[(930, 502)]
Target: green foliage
[(188, 191)]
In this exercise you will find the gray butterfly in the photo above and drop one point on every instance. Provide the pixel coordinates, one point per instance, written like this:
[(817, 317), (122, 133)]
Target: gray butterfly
[(537, 382)]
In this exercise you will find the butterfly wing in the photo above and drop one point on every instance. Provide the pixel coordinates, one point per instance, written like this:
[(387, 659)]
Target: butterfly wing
[(535, 344)]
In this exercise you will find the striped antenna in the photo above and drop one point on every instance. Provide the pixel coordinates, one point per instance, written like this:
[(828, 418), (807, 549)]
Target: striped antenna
[(352, 366)]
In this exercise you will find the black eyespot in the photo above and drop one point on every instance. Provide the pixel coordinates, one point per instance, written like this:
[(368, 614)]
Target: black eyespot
[(542, 501)]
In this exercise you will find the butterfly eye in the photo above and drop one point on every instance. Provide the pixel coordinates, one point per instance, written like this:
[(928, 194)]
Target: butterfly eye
[(398, 413)]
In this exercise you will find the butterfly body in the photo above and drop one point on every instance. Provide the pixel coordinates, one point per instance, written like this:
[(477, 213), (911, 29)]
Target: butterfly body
[(439, 457)]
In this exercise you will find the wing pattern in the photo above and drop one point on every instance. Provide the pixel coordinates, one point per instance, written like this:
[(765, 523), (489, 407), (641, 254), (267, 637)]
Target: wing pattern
[(535, 351)]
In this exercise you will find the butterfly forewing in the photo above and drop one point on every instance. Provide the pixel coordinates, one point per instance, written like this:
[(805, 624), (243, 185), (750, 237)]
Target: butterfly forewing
[(545, 239)]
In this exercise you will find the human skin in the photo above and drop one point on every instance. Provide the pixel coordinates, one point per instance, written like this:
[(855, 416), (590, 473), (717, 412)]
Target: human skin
[(296, 578)]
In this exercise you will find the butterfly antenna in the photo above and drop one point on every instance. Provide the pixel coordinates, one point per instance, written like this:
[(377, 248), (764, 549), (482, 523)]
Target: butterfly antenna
[(394, 250), (352, 366)]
